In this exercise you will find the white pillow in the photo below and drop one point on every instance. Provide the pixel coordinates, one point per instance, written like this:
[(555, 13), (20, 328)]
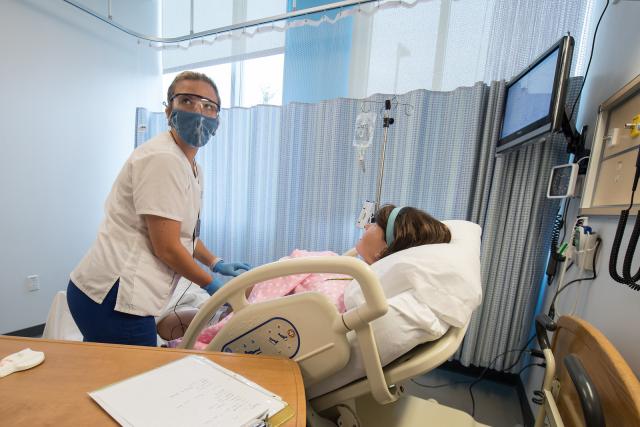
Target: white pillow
[(443, 278), (428, 288)]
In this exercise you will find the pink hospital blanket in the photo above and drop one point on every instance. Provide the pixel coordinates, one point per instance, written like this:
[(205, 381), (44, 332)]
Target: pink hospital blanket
[(331, 285)]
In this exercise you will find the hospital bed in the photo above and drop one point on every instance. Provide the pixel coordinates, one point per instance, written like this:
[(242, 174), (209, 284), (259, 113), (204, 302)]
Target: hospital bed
[(343, 371), (309, 329)]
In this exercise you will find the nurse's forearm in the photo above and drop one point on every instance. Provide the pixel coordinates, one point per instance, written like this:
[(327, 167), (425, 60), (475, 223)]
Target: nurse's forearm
[(179, 260), (164, 234), (202, 254)]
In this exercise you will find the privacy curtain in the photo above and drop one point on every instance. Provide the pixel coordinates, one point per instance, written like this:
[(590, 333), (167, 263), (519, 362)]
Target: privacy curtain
[(516, 217)]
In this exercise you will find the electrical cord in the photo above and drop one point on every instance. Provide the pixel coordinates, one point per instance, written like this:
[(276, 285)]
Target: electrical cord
[(483, 373), (628, 259), (538, 398), (593, 43), (481, 376), (582, 159), (558, 224), (552, 309), (564, 218), (182, 326), (555, 258), (440, 385), (542, 365), (627, 278)]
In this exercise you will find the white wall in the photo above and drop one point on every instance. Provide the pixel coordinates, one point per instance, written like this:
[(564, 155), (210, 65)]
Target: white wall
[(70, 87), (612, 308)]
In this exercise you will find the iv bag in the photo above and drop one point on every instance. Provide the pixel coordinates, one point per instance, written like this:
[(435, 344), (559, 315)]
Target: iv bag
[(365, 123)]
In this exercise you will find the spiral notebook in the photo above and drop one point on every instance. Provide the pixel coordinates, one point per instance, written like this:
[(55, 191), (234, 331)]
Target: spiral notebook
[(191, 391)]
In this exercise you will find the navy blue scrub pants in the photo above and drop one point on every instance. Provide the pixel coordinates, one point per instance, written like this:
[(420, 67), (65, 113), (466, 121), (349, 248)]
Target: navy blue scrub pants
[(101, 323)]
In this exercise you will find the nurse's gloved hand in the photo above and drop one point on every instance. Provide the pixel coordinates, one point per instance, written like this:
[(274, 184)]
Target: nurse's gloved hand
[(212, 287), (230, 268)]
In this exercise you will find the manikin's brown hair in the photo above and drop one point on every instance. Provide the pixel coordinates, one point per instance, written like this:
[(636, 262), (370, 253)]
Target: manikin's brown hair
[(412, 227)]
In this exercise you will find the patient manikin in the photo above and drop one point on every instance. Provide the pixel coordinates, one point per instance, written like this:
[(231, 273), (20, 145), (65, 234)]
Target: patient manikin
[(393, 230)]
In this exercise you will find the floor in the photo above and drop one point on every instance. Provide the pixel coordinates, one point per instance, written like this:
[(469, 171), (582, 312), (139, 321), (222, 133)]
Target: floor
[(496, 404)]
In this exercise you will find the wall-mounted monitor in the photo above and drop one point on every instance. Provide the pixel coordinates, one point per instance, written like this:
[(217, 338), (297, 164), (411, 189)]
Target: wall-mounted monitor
[(535, 102)]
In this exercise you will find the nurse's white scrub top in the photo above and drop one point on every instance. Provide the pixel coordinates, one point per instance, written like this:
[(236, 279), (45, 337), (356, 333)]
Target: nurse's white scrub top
[(157, 179)]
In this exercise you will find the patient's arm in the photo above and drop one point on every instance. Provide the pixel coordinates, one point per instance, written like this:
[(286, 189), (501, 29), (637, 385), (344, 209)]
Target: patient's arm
[(175, 323)]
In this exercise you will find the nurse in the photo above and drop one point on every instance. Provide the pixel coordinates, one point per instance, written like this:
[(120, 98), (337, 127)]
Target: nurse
[(149, 236)]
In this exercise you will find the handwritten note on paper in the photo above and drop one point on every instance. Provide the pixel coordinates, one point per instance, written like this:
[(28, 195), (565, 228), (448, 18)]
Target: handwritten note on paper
[(191, 391)]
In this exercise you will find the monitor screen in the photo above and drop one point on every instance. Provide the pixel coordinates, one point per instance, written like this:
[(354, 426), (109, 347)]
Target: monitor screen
[(529, 98), (534, 102)]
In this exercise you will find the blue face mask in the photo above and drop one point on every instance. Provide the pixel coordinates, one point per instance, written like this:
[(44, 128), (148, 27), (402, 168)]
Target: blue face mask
[(195, 129)]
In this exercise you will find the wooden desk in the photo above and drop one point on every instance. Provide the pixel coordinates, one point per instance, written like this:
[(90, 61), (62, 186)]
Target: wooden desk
[(55, 393)]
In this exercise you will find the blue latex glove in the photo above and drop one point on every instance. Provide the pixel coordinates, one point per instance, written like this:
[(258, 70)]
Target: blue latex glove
[(212, 287), (230, 268)]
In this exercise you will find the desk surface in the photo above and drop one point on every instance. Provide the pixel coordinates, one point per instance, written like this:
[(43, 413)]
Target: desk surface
[(55, 392)]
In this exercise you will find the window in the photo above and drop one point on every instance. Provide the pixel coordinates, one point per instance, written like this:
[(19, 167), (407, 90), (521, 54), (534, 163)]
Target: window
[(244, 83), (247, 70), (261, 81)]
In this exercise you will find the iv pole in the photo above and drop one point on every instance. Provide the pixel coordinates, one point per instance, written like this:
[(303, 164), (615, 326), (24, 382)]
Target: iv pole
[(387, 121), (370, 208)]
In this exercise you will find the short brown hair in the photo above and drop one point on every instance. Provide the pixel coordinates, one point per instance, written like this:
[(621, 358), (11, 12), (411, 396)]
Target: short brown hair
[(191, 75), (412, 227)]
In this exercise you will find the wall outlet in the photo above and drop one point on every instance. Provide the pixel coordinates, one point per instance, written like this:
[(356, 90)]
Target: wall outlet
[(613, 139), (33, 282)]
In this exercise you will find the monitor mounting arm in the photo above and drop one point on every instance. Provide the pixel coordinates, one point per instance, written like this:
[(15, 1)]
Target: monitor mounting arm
[(575, 140)]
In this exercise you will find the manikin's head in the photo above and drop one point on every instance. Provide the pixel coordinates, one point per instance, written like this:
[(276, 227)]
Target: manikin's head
[(410, 227)]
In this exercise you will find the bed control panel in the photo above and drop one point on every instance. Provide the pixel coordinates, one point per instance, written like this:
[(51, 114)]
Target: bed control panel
[(275, 336)]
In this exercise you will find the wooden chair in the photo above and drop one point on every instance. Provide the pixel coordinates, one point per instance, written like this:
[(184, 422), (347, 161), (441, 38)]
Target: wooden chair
[(588, 383)]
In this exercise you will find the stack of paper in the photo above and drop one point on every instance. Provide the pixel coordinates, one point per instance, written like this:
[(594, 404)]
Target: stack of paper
[(192, 391)]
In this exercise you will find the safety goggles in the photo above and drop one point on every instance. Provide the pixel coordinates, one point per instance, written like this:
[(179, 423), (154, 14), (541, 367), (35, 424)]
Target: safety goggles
[(196, 103)]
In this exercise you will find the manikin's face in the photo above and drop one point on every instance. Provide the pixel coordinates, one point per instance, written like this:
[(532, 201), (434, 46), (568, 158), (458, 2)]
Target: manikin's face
[(371, 244)]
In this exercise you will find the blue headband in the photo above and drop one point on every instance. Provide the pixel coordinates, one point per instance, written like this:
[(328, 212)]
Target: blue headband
[(390, 223)]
